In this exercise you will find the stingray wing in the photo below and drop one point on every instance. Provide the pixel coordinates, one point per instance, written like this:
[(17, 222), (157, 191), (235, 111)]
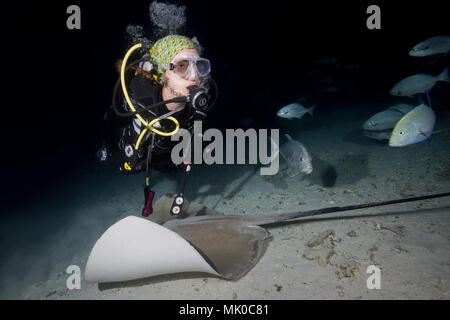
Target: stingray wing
[(229, 244), (135, 248)]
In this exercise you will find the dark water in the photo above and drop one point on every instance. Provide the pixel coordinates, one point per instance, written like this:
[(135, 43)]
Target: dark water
[(59, 84)]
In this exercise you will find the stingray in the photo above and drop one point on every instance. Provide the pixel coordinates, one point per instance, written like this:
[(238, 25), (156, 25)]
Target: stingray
[(204, 240)]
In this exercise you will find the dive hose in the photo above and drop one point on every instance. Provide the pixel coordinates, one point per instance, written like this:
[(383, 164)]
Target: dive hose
[(125, 92)]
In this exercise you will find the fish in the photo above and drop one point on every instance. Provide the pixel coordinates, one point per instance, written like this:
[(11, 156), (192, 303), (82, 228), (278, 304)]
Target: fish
[(379, 135), (431, 46), (383, 120), (348, 66), (327, 61), (402, 107), (327, 80), (388, 118), (298, 158), (310, 73), (246, 121), (418, 83), (294, 110), (332, 89), (414, 127)]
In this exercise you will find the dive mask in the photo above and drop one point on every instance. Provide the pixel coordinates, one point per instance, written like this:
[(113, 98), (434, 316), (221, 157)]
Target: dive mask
[(184, 65)]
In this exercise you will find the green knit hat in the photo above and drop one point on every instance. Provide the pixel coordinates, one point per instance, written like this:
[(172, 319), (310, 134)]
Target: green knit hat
[(165, 49)]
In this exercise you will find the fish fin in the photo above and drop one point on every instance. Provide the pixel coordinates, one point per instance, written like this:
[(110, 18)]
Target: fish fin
[(291, 172), (444, 76), (427, 93), (423, 133), (426, 134), (288, 136)]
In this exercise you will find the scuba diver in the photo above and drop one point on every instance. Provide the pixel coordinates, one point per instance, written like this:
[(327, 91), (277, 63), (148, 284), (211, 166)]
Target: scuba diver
[(167, 88)]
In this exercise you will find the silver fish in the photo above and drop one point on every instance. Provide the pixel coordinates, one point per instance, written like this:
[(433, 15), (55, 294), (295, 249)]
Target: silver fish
[(327, 61), (435, 45), (294, 110), (298, 158), (388, 118), (378, 135), (383, 120), (418, 83), (402, 107)]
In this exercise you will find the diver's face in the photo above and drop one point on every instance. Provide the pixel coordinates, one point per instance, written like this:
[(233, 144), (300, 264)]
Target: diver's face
[(178, 85)]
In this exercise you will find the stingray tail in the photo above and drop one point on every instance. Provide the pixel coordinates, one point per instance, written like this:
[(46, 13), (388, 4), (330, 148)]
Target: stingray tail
[(280, 217)]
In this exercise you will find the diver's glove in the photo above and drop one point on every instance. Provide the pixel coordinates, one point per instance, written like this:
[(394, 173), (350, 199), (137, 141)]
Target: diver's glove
[(103, 154)]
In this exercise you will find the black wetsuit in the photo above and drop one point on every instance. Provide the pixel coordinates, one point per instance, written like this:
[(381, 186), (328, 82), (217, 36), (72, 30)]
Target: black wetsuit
[(124, 132)]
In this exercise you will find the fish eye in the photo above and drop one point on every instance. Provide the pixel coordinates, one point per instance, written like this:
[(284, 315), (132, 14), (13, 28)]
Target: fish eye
[(402, 132)]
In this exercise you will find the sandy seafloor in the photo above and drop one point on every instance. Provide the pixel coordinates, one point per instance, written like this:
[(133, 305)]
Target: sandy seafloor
[(409, 242)]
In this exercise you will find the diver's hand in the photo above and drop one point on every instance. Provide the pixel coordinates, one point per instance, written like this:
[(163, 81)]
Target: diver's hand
[(127, 167), (103, 154)]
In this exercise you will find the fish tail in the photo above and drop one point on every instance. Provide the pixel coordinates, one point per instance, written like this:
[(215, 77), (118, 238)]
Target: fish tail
[(444, 76), (310, 110)]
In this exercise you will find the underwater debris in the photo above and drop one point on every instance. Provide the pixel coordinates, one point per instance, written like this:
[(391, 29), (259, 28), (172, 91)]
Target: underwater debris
[(399, 230), (347, 270), (401, 249), (322, 256), (340, 291), (351, 233), (317, 240)]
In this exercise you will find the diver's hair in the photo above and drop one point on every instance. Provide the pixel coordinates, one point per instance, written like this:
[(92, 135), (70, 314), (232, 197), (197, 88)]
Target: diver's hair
[(163, 81)]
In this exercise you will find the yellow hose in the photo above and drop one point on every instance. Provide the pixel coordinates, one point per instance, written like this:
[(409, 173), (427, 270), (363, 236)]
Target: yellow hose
[(138, 142), (148, 126)]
